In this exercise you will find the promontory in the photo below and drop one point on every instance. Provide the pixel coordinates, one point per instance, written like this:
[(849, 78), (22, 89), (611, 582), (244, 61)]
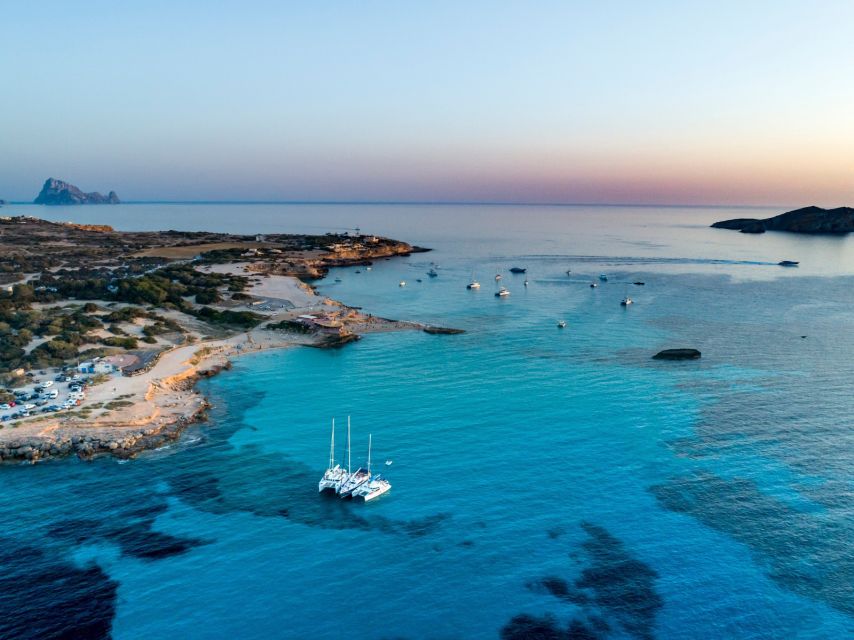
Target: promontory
[(58, 192), (805, 220)]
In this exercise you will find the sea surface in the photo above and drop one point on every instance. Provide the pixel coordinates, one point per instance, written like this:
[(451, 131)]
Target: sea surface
[(547, 483)]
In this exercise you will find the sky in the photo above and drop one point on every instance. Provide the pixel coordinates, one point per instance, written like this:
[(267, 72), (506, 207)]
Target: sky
[(748, 102)]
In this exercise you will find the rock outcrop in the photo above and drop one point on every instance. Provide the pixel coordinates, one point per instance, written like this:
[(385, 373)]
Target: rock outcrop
[(806, 220), (677, 354), (57, 192)]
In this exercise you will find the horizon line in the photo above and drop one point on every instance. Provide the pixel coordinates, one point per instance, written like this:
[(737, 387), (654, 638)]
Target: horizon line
[(431, 202)]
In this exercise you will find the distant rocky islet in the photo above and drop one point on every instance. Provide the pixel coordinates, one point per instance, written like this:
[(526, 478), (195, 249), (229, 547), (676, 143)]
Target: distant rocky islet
[(58, 192), (804, 220)]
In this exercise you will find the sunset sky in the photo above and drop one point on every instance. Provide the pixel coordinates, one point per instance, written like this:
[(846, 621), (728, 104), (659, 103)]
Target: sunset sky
[(607, 102)]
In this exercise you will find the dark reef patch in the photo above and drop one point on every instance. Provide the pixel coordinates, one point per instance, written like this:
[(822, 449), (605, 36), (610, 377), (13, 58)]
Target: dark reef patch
[(275, 485), (136, 539), (43, 597), (809, 554), (613, 590)]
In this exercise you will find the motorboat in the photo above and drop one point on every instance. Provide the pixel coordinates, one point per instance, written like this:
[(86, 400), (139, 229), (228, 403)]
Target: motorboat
[(625, 302), (432, 273), (603, 277), (561, 324), (402, 283), (593, 285), (502, 293)]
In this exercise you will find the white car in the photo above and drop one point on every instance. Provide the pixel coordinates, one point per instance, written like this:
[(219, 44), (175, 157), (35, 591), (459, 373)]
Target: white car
[(47, 383), (53, 394), (28, 406), (5, 406)]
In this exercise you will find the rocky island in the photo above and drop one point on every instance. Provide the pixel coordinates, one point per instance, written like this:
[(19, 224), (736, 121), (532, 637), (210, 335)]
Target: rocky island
[(805, 220), (57, 192), (104, 333)]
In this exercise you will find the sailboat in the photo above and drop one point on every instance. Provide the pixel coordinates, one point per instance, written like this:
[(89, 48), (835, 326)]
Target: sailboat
[(334, 474), (353, 480), (474, 284), (375, 486)]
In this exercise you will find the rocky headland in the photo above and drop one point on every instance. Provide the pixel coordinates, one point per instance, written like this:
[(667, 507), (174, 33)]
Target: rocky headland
[(58, 192), (805, 220)]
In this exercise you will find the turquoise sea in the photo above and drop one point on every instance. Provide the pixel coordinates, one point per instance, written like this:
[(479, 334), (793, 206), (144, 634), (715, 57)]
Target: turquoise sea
[(547, 483)]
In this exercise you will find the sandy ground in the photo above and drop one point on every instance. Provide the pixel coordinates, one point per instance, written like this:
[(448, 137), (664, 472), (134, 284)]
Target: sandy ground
[(165, 394)]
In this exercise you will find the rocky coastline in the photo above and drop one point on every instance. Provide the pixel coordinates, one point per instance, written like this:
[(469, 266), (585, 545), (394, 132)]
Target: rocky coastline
[(810, 220)]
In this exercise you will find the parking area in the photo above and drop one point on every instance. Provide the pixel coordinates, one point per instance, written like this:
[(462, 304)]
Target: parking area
[(46, 393)]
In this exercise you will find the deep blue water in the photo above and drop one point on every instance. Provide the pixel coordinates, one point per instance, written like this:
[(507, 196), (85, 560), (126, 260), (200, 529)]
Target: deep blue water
[(547, 483)]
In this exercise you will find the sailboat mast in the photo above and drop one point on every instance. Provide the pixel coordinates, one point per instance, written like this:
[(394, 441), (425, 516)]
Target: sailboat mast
[(348, 444), (369, 453), (332, 446)]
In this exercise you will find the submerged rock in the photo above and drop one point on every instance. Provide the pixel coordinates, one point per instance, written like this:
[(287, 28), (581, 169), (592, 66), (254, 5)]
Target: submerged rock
[(443, 331), (677, 354)]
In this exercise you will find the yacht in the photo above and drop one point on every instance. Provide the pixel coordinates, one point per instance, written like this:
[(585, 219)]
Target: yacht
[(626, 301), (603, 277), (503, 292), (517, 270), (402, 283), (335, 474), (375, 486), (497, 277), (432, 273), (561, 324)]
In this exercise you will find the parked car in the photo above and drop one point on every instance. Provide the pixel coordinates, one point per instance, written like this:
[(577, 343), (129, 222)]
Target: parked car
[(5, 406), (47, 383), (29, 406)]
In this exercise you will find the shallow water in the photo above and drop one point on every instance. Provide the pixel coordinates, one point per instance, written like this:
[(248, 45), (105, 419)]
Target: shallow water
[(542, 477)]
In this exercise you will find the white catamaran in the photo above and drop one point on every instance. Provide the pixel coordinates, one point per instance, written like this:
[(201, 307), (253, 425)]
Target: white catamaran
[(376, 484), (335, 474), (354, 479)]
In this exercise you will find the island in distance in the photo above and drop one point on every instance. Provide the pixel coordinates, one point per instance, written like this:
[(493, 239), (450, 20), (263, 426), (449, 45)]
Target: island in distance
[(58, 192), (805, 220)]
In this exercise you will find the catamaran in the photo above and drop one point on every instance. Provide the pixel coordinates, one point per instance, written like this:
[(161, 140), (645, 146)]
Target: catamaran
[(376, 484), (353, 480), (335, 474)]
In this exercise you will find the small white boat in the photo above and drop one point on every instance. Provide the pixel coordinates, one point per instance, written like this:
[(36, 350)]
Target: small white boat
[(626, 301), (402, 283), (474, 284), (497, 277), (593, 285), (369, 268), (502, 293), (603, 277), (388, 463), (526, 282), (561, 324)]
